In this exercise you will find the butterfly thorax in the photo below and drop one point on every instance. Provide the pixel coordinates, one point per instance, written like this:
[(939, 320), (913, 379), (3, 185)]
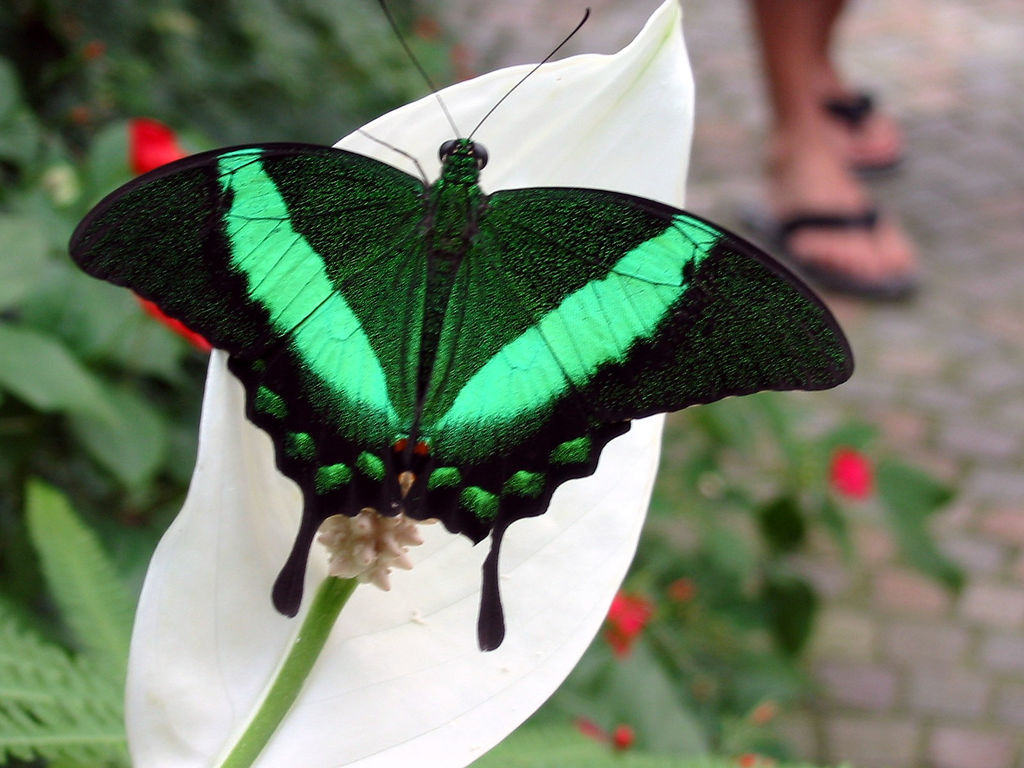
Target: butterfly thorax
[(454, 204)]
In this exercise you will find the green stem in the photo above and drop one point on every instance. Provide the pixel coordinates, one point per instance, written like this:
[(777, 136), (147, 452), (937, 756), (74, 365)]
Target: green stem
[(329, 600)]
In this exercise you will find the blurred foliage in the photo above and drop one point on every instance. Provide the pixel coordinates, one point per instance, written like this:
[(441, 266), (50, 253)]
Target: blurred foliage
[(102, 402), (539, 747), (66, 708), (746, 493), (96, 397)]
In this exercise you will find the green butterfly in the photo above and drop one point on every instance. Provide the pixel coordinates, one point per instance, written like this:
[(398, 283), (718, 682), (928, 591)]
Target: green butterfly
[(437, 351)]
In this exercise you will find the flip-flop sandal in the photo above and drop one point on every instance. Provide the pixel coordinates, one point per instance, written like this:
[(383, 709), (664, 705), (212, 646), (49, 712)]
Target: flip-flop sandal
[(853, 111), (778, 233)]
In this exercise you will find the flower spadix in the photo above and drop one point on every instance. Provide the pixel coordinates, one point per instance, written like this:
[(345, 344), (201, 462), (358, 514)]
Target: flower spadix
[(401, 680)]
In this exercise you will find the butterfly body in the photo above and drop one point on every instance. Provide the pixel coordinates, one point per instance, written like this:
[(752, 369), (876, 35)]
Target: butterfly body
[(436, 351)]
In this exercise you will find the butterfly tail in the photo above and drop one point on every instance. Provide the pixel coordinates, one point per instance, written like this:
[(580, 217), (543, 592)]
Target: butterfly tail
[(491, 622), (288, 587)]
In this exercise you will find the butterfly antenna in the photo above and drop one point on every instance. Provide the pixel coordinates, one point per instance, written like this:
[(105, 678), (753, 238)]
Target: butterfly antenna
[(586, 15), (402, 152), (419, 67)]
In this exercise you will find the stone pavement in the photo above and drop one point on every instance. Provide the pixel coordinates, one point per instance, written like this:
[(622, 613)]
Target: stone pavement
[(909, 675)]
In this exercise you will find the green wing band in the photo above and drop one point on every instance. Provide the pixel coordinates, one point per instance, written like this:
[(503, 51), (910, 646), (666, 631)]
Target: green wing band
[(289, 279), (595, 325)]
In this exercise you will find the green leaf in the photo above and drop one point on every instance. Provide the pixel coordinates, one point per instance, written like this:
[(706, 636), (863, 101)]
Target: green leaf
[(835, 522), (782, 523), (10, 89), (22, 257), (909, 497), (132, 446), (104, 323), (792, 605), (55, 707), (854, 434), (638, 691), (41, 372), (106, 167), (92, 600)]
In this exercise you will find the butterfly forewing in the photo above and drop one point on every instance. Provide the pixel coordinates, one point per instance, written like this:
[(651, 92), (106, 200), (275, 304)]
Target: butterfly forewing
[(611, 308)]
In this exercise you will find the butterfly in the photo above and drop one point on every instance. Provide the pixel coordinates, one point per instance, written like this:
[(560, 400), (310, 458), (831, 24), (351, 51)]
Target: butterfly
[(441, 352)]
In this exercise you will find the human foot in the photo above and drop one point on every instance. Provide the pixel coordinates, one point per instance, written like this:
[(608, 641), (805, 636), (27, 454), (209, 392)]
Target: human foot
[(824, 223), (870, 139)]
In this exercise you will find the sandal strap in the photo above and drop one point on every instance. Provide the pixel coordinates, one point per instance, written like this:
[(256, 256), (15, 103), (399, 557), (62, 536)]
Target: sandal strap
[(867, 220), (852, 110)]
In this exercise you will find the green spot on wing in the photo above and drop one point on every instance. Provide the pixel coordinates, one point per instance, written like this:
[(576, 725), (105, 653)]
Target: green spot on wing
[(523, 483), (370, 465), (444, 477), (332, 477), (483, 504), (270, 403), (300, 445), (571, 451)]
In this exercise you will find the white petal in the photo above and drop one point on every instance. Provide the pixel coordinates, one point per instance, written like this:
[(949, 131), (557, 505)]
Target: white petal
[(401, 681)]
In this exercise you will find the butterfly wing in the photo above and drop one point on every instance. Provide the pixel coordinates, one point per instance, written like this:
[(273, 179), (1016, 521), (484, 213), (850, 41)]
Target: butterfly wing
[(578, 310), (307, 264)]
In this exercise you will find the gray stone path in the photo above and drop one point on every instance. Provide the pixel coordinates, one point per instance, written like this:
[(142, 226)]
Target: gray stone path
[(909, 675)]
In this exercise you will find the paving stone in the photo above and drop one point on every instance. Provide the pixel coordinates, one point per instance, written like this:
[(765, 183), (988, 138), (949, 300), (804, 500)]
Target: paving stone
[(863, 686), (916, 643), (973, 440), (976, 556), (871, 742), (902, 591), (799, 733), (993, 604), (950, 691), (1005, 524), (902, 427), (843, 634), (873, 543), (1004, 653), (1017, 571), (830, 578), (1010, 704), (999, 374), (951, 747), (996, 485)]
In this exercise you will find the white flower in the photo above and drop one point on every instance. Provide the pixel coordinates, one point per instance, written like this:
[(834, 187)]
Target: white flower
[(401, 680)]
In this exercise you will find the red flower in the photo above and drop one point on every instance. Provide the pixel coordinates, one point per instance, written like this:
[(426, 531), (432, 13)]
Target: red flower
[(764, 713), (850, 474), (590, 729), (151, 144), (752, 760), (93, 50), (682, 590), (623, 737), (177, 326), (627, 617)]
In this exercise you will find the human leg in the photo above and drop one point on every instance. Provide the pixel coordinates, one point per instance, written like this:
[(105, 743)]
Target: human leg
[(807, 172)]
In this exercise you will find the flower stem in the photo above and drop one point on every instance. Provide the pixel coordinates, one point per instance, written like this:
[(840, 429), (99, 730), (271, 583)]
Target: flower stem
[(327, 604)]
